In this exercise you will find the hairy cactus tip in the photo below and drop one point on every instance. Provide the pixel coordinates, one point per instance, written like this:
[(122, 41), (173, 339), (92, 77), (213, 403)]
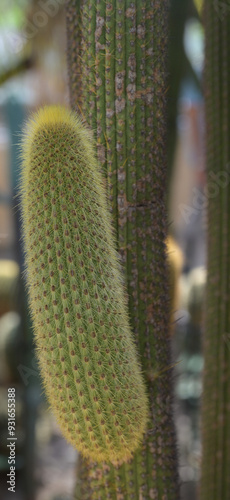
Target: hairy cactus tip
[(87, 356)]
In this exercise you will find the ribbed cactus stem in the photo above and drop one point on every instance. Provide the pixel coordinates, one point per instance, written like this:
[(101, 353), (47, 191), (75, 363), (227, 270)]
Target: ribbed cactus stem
[(215, 481), (84, 343), (74, 54), (132, 93)]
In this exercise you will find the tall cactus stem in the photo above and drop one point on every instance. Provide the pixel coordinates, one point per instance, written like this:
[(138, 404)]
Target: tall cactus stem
[(74, 53), (135, 171), (215, 479), (110, 109)]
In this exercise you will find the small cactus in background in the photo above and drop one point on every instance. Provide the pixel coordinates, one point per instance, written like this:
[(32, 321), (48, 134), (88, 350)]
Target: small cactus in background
[(175, 263), (215, 476), (84, 343), (197, 283), (117, 54)]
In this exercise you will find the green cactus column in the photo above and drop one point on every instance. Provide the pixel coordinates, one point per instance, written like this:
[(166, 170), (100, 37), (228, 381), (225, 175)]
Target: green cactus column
[(119, 63), (215, 482)]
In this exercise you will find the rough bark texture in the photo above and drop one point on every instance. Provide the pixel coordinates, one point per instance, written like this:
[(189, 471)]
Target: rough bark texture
[(215, 483), (117, 75)]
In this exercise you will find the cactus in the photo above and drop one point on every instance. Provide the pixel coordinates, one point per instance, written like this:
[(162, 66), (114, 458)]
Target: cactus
[(215, 477), (85, 348), (117, 53)]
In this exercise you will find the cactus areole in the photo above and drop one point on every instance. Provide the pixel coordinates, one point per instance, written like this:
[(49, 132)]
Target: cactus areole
[(87, 357)]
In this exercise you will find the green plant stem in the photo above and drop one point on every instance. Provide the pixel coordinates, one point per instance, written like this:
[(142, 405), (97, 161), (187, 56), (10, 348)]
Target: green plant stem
[(135, 172), (215, 480)]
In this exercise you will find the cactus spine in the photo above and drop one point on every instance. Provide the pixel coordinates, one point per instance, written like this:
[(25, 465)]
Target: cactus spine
[(119, 62), (85, 348), (215, 480)]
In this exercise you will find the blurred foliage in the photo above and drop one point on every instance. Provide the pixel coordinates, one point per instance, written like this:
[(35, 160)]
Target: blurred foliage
[(175, 263), (14, 53), (9, 277), (198, 4), (9, 346), (180, 68), (13, 14)]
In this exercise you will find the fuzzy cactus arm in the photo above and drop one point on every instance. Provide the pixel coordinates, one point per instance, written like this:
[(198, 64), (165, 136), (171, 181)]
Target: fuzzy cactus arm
[(85, 349), (136, 179)]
